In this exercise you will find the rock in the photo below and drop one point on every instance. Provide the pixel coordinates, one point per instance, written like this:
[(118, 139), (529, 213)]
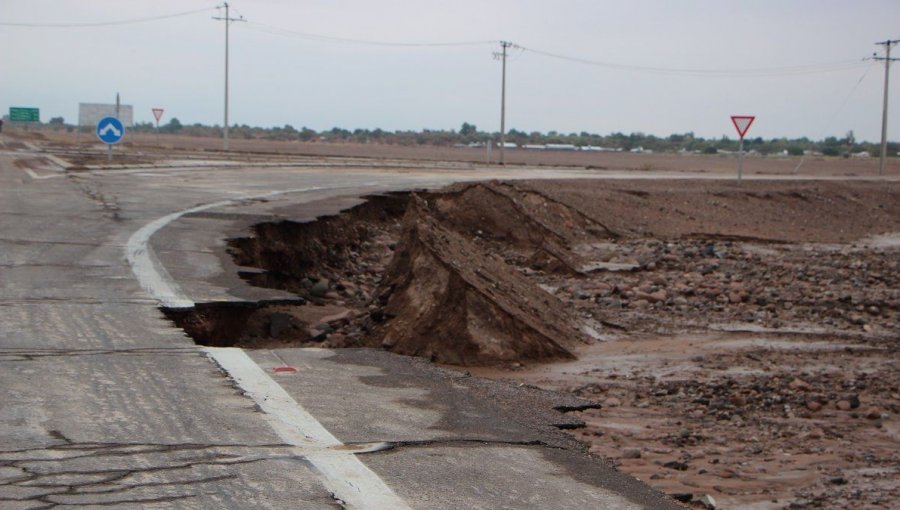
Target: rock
[(837, 480), (612, 402), (315, 335), (320, 288), (278, 324), (325, 327), (658, 296), (800, 385), (684, 497), (844, 405), (738, 400), (582, 294), (708, 502), (815, 433), (339, 317), (677, 465), (873, 413), (813, 405), (631, 453)]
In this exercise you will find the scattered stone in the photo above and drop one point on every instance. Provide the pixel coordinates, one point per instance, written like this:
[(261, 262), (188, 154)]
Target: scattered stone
[(612, 402), (800, 385), (708, 502), (677, 465), (683, 497), (320, 288), (837, 480), (873, 413), (813, 405), (844, 405), (631, 453)]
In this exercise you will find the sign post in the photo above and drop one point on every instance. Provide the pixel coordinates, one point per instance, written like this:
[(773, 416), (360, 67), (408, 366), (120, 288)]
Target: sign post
[(157, 112), (742, 124), (110, 131)]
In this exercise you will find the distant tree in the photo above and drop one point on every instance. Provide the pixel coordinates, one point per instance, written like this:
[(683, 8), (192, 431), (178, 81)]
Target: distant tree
[(468, 129), (57, 121), (307, 134), (173, 126)]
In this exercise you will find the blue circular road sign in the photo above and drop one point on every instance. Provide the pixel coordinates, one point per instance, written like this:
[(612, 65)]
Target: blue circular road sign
[(110, 130)]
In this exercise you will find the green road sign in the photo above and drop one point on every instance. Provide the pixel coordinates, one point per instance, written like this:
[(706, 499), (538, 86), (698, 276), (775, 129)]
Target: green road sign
[(19, 114)]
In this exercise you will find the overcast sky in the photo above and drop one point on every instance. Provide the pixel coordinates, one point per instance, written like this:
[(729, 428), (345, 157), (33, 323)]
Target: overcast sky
[(280, 78)]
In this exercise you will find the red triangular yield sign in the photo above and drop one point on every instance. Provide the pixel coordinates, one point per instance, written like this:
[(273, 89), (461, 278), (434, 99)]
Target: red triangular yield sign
[(157, 112), (742, 123)]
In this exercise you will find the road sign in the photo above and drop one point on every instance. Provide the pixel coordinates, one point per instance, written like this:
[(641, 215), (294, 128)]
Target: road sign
[(157, 112), (110, 130), (20, 114), (742, 123)]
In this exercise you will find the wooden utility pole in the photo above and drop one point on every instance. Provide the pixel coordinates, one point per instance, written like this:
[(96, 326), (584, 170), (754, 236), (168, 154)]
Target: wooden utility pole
[(884, 113), (502, 55), (227, 19)]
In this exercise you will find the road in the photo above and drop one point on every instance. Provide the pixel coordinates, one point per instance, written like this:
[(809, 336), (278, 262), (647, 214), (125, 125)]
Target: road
[(105, 402)]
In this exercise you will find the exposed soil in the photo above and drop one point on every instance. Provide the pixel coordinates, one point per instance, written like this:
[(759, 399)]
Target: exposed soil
[(151, 146), (742, 340)]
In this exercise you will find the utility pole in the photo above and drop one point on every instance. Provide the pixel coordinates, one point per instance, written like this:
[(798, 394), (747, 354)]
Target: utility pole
[(227, 19), (504, 45), (884, 113)]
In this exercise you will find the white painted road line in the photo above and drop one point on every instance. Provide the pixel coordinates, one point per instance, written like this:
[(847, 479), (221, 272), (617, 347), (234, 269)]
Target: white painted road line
[(343, 474), (152, 276)]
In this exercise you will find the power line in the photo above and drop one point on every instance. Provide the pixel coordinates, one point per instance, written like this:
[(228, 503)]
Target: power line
[(839, 109), (757, 72), (347, 40), (105, 23)]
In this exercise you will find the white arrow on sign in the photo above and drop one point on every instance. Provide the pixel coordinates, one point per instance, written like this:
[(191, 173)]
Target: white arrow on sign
[(109, 127)]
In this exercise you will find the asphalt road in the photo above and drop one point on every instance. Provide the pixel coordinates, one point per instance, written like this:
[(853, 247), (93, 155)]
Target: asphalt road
[(105, 402)]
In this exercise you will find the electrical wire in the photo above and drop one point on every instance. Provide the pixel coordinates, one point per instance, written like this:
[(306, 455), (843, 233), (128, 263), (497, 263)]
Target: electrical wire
[(105, 23), (735, 73), (346, 40), (840, 108)]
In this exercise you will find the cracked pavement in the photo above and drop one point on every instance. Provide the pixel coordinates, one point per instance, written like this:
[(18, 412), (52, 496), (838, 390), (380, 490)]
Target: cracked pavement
[(107, 404)]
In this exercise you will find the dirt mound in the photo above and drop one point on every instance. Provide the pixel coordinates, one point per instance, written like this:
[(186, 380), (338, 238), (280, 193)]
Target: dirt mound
[(447, 282), (448, 300), (531, 229)]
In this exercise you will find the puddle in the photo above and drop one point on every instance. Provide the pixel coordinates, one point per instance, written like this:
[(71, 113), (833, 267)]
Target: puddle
[(883, 241)]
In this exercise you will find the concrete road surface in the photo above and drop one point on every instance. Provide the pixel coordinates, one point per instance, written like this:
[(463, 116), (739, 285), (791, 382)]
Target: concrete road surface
[(106, 403)]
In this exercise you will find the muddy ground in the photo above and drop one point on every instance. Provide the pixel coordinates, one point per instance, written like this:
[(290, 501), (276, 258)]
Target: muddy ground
[(742, 341), (84, 149)]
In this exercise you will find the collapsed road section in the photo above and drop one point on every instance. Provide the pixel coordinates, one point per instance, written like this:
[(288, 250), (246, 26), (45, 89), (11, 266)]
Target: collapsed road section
[(442, 275)]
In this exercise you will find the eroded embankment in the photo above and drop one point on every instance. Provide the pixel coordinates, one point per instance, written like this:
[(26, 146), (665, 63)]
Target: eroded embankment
[(437, 275)]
